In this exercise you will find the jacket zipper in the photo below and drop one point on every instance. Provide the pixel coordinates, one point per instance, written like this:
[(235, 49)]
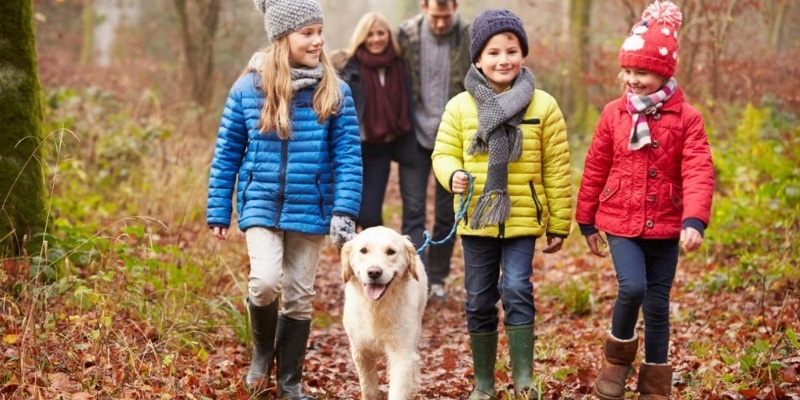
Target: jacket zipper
[(536, 202)]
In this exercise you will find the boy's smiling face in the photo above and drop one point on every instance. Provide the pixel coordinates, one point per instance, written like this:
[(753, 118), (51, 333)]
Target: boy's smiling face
[(501, 60)]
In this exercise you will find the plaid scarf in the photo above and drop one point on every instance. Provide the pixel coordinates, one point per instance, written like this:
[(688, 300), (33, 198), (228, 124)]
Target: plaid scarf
[(499, 116), (639, 107)]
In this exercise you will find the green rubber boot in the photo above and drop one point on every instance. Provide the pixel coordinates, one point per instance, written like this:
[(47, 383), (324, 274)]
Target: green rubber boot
[(484, 354), (520, 348)]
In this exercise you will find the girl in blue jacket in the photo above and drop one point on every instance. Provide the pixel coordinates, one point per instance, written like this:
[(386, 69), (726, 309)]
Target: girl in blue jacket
[(289, 144)]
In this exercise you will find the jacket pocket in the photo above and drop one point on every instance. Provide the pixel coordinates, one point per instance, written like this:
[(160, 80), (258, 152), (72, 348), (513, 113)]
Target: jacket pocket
[(611, 190), (536, 202), (674, 196), (246, 188), (321, 196)]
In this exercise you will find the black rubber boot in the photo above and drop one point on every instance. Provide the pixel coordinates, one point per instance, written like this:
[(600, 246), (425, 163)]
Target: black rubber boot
[(291, 353), (263, 323)]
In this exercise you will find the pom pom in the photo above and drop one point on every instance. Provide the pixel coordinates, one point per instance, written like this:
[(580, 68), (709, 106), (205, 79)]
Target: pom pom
[(664, 12)]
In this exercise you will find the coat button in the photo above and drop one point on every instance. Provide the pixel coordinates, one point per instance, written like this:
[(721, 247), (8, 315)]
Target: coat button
[(654, 144), (607, 191), (651, 198), (653, 172), (649, 223), (657, 116)]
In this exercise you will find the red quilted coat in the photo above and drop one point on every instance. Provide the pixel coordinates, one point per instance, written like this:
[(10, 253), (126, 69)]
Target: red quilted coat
[(650, 192)]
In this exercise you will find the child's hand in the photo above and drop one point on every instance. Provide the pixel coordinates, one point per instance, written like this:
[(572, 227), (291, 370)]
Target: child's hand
[(691, 239), (554, 244), (343, 228), (595, 242), (220, 232), (459, 182)]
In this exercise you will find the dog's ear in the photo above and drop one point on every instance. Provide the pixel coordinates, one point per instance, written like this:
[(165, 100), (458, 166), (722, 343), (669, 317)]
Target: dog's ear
[(344, 256), (411, 259)]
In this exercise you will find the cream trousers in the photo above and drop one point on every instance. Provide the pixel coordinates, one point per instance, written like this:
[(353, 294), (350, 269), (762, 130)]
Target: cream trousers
[(283, 263)]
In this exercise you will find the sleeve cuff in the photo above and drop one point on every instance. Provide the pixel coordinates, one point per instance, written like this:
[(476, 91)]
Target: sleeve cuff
[(694, 223), (587, 229)]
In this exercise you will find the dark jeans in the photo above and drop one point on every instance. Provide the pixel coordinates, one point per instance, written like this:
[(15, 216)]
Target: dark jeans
[(645, 272), (377, 161), (414, 173), (497, 269)]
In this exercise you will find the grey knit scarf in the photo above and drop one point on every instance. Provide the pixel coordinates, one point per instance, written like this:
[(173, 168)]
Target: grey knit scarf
[(301, 77), (305, 77), (499, 116)]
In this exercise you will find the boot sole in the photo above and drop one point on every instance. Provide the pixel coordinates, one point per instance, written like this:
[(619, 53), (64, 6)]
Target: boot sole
[(604, 397)]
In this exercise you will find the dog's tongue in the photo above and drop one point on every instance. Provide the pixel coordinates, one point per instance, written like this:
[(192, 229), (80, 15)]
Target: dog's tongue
[(375, 291)]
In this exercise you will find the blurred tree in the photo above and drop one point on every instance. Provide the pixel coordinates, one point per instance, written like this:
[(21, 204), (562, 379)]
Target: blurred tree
[(88, 24), (22, 213), (578, 64), (777, 9), (197, 24)]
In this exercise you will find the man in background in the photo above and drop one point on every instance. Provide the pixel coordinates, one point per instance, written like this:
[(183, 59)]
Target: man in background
[(434, 46)]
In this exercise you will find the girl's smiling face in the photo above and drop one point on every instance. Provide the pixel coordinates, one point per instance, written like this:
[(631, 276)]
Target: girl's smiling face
[(642, 82), (501, 60), (305, 46)]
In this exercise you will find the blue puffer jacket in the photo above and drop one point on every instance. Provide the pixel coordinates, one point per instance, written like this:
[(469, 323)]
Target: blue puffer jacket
[(295, 184)]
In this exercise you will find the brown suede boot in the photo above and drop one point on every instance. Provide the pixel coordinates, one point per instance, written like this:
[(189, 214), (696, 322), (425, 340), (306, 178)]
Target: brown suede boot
[(619, 355), (655, 381)]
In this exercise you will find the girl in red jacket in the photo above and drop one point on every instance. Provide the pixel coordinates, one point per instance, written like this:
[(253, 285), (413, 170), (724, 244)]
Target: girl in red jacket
[(648, 183)]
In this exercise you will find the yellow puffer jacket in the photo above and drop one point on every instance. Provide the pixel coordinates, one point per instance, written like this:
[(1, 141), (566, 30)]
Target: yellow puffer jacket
[(539, 182)]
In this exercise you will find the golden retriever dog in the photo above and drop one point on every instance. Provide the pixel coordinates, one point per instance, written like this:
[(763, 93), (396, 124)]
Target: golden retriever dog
[(384, 300)]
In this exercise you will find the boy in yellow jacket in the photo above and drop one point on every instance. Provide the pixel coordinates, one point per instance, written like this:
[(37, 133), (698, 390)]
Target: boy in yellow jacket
[(511, 139)]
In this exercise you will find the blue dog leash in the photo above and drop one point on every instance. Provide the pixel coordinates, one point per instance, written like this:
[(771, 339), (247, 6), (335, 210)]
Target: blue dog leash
[(463, 206)]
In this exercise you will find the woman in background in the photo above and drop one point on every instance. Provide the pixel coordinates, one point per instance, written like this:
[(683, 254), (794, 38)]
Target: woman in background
[(377, 79)]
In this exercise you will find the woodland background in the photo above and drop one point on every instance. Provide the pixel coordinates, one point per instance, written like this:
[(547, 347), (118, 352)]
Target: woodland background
[(126, 295)]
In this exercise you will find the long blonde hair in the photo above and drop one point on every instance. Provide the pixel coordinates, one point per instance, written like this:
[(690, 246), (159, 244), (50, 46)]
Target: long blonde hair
[(276, 82), (362, 31)]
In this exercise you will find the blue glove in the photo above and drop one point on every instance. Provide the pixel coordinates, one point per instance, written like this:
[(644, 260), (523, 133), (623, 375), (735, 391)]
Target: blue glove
[(343, 228)]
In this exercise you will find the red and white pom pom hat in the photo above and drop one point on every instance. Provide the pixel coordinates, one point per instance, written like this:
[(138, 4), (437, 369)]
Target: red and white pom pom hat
[(652, 44)]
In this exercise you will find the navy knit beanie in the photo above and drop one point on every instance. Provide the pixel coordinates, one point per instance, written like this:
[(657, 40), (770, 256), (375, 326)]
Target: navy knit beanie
[(491, 22)]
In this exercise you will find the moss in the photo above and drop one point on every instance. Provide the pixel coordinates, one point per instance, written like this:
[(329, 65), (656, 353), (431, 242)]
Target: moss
[(23, 212)]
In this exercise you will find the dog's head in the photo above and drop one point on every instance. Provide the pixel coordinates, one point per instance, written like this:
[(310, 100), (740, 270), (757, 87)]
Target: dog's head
[(376, 257)]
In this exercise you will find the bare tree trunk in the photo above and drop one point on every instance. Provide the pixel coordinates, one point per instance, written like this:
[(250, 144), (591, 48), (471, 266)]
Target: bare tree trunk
[(22, 213), (578, 65), (197, 22), (778, 11), (720, 33), (88, 23)]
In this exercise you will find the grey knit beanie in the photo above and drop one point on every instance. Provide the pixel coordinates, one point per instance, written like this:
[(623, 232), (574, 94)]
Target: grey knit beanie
[(282, 17), (491, 22)]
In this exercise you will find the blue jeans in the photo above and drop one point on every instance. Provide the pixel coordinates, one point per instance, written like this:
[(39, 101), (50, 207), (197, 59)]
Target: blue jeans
[(645, 272), (494, 269), (414, 172)]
